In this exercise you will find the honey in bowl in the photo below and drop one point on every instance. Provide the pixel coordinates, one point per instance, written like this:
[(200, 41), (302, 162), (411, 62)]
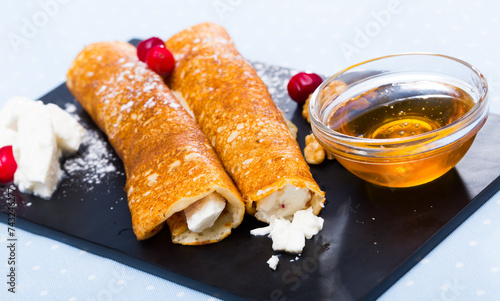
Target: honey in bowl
[(396, 111), (401, 120), (402, 110)]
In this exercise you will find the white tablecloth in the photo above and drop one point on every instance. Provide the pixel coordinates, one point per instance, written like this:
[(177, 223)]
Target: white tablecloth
[(39, 39)]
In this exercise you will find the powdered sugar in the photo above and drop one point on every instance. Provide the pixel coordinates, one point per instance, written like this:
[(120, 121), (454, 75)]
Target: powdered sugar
[(127, 106), (174, 105), (95, 159), (102, 89), (70, 108), (276, 79), (150, 103)]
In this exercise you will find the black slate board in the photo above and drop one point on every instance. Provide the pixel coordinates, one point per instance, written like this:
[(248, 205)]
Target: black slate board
[(371, 237)]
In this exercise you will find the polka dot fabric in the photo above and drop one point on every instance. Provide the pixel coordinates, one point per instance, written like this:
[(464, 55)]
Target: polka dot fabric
[(56, 271), (40, 38), (465, 266)]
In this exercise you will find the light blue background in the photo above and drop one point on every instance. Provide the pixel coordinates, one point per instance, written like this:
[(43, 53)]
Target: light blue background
[(39, 40)]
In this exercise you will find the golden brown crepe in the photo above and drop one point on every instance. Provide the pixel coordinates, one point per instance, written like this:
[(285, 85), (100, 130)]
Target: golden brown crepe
[(168, 161), (234, 109)]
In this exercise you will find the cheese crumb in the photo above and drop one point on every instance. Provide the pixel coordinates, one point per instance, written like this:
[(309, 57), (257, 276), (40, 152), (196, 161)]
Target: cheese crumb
[(287, 236), (290, 236), (273, 262), (261, 231), (308, 222)]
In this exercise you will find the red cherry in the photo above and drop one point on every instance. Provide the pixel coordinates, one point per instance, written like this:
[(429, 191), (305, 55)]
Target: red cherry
[(160, 60), (8, 164), (302, 84), (146, 45)]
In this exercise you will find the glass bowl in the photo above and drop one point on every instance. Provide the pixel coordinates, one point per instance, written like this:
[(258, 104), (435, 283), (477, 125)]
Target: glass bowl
[(401, 120)]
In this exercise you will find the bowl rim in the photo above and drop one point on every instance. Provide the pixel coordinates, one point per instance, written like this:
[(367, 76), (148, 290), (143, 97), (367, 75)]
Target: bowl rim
[(474, 114)]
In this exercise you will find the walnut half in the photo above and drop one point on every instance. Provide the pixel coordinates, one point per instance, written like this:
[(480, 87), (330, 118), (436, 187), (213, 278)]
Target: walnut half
[(313, 152), (305, 109)]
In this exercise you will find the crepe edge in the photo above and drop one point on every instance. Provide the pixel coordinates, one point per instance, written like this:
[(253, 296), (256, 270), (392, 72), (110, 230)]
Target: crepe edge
[(231, 218)]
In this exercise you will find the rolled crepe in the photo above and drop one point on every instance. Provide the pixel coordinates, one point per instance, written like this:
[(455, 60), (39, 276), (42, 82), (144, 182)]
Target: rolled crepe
[(235, 110), (168, 161)]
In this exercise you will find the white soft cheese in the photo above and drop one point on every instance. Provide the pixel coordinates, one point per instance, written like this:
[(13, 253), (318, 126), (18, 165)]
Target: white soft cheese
[(282, 203), (39, 134), (308, 222), (12, 109), (7, 136), (36, 154), (290, 236), (203, 213), (273, 262), (262, 231), (287, 237), (69, 133)]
